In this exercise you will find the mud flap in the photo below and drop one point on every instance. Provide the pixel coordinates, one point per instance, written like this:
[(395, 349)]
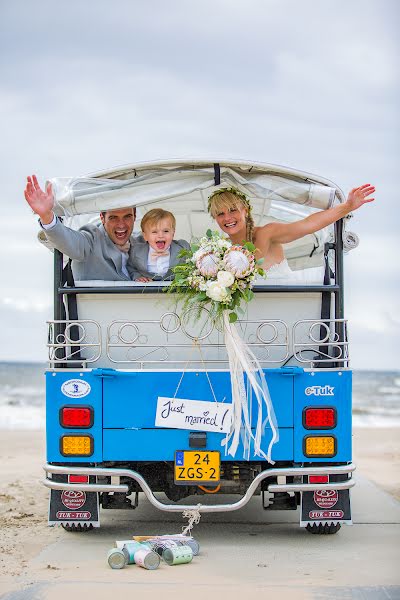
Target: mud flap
[(325, 506), (68, 507)]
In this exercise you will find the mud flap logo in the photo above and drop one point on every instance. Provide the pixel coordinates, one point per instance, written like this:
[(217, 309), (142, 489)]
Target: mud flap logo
[(326, 498), (320, 515), (69, 516), (73, 499)]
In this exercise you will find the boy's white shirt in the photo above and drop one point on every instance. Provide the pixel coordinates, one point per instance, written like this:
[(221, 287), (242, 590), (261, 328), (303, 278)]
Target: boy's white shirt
[(158, 264)]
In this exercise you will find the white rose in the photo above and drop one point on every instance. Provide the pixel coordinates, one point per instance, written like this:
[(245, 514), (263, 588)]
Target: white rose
[(216, 291), (225, 278), (221, 243)]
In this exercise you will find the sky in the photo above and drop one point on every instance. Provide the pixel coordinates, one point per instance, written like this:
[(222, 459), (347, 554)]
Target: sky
[(309, 84)]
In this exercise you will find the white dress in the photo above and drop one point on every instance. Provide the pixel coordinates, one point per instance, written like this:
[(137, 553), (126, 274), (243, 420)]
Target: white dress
[(279, 270)]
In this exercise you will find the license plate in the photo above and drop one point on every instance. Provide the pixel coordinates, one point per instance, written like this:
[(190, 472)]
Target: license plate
[(197, 467)]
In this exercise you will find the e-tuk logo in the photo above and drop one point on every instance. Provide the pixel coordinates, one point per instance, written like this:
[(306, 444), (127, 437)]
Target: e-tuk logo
[(319, 390), (75, 388), (73, 499)]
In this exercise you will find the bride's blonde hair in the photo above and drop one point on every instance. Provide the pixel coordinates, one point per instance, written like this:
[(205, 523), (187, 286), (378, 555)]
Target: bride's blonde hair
[(226, 198)]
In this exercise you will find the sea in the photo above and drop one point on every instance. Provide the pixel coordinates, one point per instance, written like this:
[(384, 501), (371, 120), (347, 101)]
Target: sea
[(376, 397)]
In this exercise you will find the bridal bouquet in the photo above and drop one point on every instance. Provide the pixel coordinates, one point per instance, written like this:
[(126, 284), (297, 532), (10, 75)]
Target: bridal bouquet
[(218, 273)]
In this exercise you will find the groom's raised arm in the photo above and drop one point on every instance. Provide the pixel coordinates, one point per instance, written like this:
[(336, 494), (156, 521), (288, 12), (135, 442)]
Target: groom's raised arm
[(75, 244)]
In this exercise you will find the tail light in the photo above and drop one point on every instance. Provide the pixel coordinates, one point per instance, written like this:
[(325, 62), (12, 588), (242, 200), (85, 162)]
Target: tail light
[(76, 445), (78, 478), (323, 446), (317, 417), (76, 416), (318, 479)]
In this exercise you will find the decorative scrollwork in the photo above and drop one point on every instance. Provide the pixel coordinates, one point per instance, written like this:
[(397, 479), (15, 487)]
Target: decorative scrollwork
[(191, 337), (73, 341), (200, 318), (121, 333), (179, 339), (322, 341)]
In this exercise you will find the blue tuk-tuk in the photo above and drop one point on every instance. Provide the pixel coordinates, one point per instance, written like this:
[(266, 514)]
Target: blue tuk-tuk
[(117, 349)]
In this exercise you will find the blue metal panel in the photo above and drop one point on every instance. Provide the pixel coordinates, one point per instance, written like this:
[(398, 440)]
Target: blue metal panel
[(160, 444), (56, 399), (324, 388), (130, 399)]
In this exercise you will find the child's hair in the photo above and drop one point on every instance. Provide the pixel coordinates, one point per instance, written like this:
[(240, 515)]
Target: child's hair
[(155, 215)]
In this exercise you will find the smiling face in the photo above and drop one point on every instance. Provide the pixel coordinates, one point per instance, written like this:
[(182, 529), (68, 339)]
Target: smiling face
[(159, 234), (232, 220), (118, 224), (230, 213)]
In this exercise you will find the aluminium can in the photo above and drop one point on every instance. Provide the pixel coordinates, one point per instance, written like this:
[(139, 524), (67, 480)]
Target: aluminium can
[(178, 555), (117, 558), (146, 558), (131, 547)]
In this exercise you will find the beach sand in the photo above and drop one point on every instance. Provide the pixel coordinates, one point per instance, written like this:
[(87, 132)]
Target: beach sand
[(24, 501)]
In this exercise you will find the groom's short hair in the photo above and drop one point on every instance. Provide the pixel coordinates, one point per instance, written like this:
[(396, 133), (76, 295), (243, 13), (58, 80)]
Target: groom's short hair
[(103, 212)]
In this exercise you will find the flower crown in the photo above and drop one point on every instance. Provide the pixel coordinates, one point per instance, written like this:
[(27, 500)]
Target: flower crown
[(232, 190)]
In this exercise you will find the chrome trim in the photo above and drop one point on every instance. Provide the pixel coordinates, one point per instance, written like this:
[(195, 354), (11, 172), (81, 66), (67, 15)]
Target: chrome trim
[(311, 487), (89, 342), (325, 341), (138, 349), (287, 472)]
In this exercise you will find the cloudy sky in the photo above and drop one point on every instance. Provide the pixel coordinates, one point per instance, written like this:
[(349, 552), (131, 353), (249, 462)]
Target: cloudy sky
[(311, 84)]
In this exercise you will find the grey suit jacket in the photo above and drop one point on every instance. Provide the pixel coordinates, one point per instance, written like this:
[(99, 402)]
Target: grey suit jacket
[(94, 255), (139, 256)]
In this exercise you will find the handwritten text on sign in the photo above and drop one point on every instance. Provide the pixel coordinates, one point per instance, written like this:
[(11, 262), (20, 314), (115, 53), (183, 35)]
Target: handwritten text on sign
[(193, 414)]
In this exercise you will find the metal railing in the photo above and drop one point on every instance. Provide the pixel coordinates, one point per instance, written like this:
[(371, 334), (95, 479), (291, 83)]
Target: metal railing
[(177, 340)]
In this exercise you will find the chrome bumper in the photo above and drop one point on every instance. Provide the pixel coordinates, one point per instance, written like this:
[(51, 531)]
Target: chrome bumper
[(203, 508)]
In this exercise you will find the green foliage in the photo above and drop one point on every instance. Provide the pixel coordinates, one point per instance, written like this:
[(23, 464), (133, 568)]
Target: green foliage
[(188, 280), (249, 246)]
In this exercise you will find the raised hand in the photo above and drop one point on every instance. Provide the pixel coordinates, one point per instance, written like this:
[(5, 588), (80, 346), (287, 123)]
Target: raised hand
[(41, 202), (359, 196)]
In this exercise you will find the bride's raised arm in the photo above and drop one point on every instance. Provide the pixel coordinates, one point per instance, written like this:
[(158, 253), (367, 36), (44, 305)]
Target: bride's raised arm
[(284, 233)]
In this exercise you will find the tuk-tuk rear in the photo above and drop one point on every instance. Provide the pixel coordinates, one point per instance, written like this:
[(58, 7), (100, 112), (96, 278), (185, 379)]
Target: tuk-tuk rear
[(123, 358)]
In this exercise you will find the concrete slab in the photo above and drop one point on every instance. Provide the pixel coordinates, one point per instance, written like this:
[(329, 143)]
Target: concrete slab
[(250, 551), (243, 551)]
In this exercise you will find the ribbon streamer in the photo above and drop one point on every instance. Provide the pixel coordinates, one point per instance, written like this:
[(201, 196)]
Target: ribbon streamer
[(242, 360)]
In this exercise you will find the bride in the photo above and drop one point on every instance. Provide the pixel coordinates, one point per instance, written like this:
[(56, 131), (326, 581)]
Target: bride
[(232, 211)]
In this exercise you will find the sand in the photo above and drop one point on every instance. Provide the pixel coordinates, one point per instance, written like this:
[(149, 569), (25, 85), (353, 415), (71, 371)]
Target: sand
[(24, 502)]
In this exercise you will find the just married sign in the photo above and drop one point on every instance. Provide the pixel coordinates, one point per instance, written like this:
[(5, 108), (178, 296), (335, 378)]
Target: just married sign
[(179, 413)]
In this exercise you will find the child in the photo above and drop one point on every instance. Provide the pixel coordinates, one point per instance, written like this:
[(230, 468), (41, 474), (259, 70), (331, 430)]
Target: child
[(154, 258)]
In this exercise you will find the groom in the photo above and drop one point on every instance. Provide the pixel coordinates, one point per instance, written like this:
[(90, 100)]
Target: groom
[(97, 251)]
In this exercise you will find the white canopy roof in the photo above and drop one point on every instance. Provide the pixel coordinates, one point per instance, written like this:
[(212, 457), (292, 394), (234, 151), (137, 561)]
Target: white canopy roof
[(190, 181), (184, 186)]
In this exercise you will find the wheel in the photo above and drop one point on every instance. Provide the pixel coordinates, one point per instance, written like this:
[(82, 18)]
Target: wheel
[(75, 527), (323, 528)]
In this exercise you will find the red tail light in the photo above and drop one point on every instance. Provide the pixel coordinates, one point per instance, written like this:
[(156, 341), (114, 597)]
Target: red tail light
[(78, 478), (318, 479), (76, 416), (319, 418)]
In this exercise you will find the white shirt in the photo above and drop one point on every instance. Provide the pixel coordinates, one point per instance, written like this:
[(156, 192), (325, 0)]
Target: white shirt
[(158, 264)]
